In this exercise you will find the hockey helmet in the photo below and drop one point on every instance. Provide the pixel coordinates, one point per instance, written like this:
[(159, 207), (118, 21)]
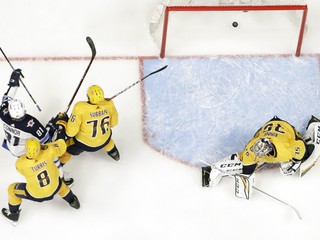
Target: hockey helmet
[(95, 94), (16, 109), (262, 147), (32, 148)]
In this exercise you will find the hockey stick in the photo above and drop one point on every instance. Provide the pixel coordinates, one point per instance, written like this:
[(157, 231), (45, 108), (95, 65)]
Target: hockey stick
[(293, 208), (93, 52), (267, 194), (159, 70), (20, 81)]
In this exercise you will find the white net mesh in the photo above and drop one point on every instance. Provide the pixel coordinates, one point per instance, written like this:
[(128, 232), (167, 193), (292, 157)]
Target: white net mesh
[(156, 21)]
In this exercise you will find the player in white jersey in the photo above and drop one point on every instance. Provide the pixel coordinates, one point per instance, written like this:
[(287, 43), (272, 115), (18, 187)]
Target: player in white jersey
[(19, 126)]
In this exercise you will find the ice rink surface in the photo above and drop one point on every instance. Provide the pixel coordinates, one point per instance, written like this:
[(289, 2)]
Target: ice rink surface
[(197, 110), (146, 195)]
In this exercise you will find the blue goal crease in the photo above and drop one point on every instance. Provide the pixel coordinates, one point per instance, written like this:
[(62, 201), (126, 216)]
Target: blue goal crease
[(207, 108)]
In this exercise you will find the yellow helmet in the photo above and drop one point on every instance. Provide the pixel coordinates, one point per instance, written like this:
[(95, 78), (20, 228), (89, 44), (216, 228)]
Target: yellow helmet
[(95, 94), (32, 148)]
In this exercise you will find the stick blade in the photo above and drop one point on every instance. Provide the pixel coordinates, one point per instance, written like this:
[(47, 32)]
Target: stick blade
[(160, 69), (91, 44)]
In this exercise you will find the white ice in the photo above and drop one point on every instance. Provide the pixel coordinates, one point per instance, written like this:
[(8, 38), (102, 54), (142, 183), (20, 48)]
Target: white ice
[(146, 195)]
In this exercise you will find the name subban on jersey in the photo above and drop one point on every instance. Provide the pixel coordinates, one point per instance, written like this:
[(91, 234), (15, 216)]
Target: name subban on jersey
[(98, 113)]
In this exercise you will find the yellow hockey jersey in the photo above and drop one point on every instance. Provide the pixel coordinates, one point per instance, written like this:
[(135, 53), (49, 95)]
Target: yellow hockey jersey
[(90, 124), (41, 173), (286, 140)]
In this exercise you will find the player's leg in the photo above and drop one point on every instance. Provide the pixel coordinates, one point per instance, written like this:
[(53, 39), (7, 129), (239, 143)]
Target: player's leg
[(66, 193), (16, 191), (112, 150)]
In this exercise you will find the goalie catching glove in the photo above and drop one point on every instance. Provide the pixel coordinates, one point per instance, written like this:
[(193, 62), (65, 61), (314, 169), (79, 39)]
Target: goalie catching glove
[(290, 168)]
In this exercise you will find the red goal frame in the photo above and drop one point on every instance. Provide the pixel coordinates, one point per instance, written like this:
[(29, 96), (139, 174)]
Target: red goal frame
[(169, 9)]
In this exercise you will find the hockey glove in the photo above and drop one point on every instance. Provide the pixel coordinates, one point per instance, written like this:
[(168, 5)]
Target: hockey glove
[(51, 127), (62, 116), (61, 119), (14, 78), (61, 133), (289, 168)]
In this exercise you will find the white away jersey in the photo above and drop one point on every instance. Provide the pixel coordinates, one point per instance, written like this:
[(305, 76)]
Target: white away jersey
[(18, 132)]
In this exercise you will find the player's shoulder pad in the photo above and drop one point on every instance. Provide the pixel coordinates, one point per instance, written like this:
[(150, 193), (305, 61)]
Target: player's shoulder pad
[(79, 107)]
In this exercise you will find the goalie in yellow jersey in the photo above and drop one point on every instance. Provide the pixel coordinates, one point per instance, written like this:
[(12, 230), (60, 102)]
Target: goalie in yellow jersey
[(276, 141), (42, 176), (89, 126)]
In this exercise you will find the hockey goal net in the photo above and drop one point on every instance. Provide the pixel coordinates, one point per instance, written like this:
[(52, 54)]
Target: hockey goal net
[(296, 12)]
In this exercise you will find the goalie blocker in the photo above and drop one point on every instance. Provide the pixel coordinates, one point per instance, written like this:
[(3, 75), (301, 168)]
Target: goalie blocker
[(243, 185)]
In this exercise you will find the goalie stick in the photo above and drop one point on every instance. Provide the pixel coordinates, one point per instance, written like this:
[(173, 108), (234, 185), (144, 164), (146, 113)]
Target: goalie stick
[(93, 54), (20, 81), (159, 70), (259, 190)]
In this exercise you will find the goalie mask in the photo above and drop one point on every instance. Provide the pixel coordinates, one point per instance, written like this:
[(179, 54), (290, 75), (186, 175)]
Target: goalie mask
[(16, 109), (95, 94), (262, 147)]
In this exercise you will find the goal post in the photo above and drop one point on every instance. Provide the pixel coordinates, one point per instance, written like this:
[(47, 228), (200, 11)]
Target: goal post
[(160, 24)]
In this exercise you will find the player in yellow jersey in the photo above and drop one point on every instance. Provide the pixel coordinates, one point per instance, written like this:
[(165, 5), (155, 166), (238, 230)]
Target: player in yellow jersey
[(277, 141), (89, 126), (42, 176)]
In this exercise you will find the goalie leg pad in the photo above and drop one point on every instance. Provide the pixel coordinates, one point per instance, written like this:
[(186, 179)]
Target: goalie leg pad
[(243, 185), (230, 165), (311, 130), (215, 177), (310, 161), (313, 147), (211, 176)]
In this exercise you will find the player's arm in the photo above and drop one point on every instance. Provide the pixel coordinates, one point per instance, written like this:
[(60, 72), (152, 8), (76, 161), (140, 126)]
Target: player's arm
[(13, 84), (73, 123), (113, 114), (20, 165), (56, 127), (59, 147), (36, 129)]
